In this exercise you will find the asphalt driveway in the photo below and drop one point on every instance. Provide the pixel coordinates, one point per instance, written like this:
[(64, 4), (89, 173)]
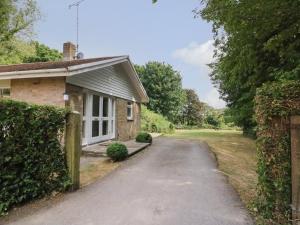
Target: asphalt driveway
[(174, 182)]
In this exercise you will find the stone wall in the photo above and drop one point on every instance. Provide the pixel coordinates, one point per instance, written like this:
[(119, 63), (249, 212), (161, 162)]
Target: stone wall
[(48, 91), (127, 129)]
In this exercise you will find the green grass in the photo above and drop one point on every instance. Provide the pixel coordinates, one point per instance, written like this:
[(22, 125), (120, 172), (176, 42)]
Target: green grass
[(236, 156)]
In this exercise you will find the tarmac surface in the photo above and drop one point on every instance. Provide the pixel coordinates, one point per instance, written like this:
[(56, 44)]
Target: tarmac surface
[(172, 182)]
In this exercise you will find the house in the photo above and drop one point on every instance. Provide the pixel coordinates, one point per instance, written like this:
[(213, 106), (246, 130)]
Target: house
[(106, 91)]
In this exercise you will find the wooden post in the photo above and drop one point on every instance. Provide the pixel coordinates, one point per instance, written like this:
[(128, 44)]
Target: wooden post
[(73, 147), (295, 157)]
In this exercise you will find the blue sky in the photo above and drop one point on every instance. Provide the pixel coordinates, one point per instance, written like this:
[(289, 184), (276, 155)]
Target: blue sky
[(165, 32)]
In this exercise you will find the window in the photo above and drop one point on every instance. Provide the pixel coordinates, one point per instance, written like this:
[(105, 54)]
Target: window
[(4, 92), (129, 110)]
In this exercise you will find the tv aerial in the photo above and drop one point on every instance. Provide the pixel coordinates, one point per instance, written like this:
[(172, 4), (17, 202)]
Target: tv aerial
[(77, 4)]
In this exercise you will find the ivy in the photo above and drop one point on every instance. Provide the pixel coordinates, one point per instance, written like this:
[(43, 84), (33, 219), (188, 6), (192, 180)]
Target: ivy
[(275, 103), (32, 160)]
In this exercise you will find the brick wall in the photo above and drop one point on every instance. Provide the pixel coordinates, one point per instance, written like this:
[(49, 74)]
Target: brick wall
[(127, 129), (47, 91)]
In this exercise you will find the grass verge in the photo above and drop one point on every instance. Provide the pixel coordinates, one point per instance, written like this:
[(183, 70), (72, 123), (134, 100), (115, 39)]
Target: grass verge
[(96, 170), (236, 157)]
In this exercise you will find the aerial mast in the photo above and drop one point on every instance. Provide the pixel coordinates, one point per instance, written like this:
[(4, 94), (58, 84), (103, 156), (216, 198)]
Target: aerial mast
[(77, 4)]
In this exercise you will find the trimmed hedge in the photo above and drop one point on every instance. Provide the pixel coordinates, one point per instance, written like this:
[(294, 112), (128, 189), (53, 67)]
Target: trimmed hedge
[(144, 137), (117, 151), (32, 160), (275, 103)]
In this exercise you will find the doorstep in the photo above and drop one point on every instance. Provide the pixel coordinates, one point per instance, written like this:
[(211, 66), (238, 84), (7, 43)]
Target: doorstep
[(99, 150)]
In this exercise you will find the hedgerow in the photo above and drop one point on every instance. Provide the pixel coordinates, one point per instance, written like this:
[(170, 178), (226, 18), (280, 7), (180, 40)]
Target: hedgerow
[(32, 160), (275, 103)]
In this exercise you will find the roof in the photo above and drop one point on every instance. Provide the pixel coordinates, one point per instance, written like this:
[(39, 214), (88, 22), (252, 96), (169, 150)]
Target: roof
[(50, 65), (71, 68)]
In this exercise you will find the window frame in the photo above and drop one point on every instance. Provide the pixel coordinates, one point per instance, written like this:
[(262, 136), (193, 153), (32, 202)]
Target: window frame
[(2, 90), (129, 107)]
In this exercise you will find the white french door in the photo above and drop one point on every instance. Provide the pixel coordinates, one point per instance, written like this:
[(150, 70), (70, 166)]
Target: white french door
[(99, 119)]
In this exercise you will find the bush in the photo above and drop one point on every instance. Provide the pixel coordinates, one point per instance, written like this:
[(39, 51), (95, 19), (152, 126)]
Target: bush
[(117, 151), (275, 103), (155, 123), (32, 160), (144, 138)]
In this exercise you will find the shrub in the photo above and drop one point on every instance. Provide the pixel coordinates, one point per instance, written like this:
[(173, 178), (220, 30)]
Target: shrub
[(117, 151), (144, 138), (32, 159), (275, 103), (156, 123)]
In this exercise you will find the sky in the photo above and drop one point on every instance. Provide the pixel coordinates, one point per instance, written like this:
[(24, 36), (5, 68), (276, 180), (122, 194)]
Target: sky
[(165, 32)]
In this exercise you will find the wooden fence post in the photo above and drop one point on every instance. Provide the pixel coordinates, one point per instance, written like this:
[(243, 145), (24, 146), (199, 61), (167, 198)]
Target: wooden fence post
[(295, 158), (73, 147)]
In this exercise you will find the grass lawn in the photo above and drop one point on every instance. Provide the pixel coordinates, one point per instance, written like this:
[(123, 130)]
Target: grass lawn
[(236, 156)]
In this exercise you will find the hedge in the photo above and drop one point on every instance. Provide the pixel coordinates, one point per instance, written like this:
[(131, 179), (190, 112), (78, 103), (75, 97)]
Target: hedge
[(32, 160), (155, 123), (275, 103)]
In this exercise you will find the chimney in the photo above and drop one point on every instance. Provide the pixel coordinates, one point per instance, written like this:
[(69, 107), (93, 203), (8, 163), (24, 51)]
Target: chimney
[(69, 51)]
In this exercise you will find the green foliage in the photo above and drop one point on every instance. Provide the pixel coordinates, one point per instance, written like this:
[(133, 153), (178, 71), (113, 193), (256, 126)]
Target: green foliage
[(275, 103), (193, 110), (117, 151), (43, 54), (32, 160), (144, 137), (164, 88), (155, 123), (257, 41), (214, 120), (15, 51), (17, 18)]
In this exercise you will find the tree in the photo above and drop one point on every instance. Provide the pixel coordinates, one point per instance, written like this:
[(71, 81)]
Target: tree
[(164, 88), (17, 18), (257, 42), (193, 110), (43, 54), (15, 51)]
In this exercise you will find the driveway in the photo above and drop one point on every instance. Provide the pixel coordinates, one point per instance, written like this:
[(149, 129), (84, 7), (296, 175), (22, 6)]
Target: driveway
[(174, 182)]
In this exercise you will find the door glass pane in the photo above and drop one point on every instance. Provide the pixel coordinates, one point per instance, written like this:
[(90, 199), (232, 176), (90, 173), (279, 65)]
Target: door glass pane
[(95, 128), (105, 107), (96, 105), (105, 127)]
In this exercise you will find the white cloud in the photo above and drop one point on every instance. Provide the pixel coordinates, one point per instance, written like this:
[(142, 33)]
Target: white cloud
[(213, 99), (199, 55), (196, 54)]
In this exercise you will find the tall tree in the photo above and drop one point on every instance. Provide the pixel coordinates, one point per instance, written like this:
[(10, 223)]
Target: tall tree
[(164, 87), (257, 41), (193, 110)]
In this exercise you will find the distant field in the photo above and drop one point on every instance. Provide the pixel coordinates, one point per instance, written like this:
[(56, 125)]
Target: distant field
[(236, 156)]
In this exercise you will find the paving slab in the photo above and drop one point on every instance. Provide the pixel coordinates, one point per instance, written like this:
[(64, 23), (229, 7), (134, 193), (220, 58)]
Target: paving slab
[(99, 150)]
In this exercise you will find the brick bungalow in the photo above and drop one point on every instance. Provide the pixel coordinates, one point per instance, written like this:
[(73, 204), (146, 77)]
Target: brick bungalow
[(107, 91)]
